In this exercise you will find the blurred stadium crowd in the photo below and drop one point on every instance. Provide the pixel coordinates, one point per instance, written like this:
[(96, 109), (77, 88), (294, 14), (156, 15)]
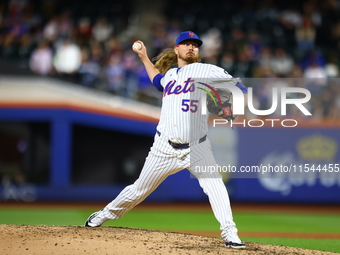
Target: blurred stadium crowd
[(90, 43)]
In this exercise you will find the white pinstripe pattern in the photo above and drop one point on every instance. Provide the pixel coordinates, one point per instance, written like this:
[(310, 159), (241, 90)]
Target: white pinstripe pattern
[(185, 127), (163, 160)]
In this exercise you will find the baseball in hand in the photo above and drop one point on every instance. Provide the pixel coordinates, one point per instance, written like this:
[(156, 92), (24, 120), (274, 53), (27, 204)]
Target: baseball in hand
[(137, 46)]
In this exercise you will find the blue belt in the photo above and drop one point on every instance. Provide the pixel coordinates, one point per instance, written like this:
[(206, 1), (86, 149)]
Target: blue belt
[(181, 146)]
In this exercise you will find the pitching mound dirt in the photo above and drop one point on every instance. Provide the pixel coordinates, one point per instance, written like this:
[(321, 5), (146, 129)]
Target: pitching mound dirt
[(43, 239)]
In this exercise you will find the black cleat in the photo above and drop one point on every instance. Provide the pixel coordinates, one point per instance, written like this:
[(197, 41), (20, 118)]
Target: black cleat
[(241, 245)]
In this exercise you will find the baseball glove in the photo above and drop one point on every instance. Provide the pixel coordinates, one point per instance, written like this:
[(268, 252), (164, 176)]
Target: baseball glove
[(218, 107)]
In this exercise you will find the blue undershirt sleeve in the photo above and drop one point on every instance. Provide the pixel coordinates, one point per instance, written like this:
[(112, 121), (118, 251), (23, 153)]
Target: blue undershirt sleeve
[(157, 82), (242, 87)]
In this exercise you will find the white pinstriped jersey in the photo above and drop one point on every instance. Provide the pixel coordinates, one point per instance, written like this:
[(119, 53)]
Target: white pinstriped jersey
[(181, 122), (181, 118)]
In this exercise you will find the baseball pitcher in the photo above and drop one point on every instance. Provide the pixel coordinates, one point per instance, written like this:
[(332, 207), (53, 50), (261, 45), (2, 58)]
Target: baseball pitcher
[(181, 139)]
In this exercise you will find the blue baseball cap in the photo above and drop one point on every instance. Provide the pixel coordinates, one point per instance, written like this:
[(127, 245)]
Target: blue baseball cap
[(188, 35)]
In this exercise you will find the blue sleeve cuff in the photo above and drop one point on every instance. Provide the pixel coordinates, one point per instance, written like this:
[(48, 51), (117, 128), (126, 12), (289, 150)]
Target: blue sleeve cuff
[(157, 82), (242, 87)]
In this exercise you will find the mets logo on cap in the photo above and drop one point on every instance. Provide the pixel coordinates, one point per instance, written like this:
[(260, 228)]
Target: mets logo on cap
[(186, 35)]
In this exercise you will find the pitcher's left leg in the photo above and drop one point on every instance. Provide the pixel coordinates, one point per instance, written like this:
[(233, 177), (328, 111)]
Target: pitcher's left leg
[(205, 170)]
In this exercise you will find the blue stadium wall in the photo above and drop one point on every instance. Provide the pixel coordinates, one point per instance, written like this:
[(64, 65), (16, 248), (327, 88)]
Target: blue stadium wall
[(62, 127), (307, 162), (293, 147)]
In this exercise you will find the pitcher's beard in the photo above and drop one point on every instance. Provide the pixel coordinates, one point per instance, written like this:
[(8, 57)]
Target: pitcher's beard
[(191, 58)]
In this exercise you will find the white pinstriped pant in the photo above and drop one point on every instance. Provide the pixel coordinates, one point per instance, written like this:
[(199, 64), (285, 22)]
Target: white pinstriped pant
[(163, 161)]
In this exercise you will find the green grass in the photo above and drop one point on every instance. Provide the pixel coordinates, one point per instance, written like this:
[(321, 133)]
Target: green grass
[(163, 220), (196, 221), (181, 220), (329, 245), (288, 222), (42, 217)]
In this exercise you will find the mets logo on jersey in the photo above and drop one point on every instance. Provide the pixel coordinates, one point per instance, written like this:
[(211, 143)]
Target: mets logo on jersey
[(191, 34), (172, 88)]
